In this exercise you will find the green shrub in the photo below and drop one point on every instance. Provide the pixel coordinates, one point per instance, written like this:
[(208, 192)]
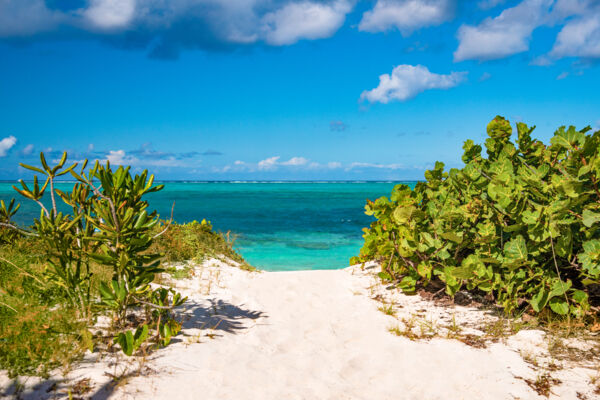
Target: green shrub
[(194, 241), (521, 224), (37, 331)]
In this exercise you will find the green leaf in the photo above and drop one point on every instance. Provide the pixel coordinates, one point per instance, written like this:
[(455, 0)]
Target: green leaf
[(516, 249), (569, 139), (559, 305), (539, 300), (590, 218)]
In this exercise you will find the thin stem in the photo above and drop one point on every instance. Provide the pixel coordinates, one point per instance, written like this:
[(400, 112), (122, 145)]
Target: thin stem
[(54, 212), (169, 224), (24, 232), (22, 271), (43, 208), (561, 281), (7, 306)]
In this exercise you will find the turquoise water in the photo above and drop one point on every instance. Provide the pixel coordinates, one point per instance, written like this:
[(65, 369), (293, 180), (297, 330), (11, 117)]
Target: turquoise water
[(279, 226)]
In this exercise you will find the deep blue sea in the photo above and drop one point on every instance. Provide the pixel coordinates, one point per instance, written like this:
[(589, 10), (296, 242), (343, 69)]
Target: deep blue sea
[(279, 225)]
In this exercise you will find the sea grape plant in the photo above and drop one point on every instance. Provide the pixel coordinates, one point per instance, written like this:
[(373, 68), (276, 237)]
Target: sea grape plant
[(521, 223)]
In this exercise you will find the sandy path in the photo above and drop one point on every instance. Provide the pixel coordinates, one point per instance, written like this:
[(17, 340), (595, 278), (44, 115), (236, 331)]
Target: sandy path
[(317, 338)]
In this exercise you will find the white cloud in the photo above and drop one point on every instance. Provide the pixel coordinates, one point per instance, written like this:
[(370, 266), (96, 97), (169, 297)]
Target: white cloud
[(304, 20), (406, 15), (295, 161), (6, 144), (579, 38), (271, 163), (268, 164), (27, 150), (120, 157), (165, 27), (110, 14), (562, 75), (117, 157), (334, 165), (407, 81), (507, 34)]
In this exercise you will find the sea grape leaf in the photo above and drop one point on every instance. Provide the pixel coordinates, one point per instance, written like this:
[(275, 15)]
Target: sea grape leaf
[(516, 249), (568, 139), (590, 218), (539, 300), (559, 305)]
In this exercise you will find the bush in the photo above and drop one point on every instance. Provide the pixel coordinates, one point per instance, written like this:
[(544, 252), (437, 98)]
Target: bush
[(37, 332), (194, 241), (520, 224)]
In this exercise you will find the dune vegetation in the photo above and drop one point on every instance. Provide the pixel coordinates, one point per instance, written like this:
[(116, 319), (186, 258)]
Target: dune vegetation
[(65, 271), (519, 226)]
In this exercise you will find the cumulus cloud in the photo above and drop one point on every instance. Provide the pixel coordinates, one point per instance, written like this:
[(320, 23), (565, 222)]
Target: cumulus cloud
[(579, 38), (268, 164), (117, 157), (110, 14), (406, 15), (6, 144), (150, 158), (304, 20), (271, 163), (166, 27), (507, 34), (407, 81), (295, 161)]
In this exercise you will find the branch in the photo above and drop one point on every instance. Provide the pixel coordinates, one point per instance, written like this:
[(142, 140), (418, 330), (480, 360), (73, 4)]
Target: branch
[(561, 282), (22, 270), (43, 208), (168, 223), (24, 232), (110, 203), (6, 305), (54, 212), (152, 304)]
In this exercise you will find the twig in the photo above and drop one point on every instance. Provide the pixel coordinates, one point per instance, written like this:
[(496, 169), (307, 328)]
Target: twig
[(54, 212), (561, 281), (152, 304), (24, 232), (7, 306), (22, 270), (168, 223)]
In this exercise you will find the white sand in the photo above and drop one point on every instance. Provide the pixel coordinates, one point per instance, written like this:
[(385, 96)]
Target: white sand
[(319, 335)]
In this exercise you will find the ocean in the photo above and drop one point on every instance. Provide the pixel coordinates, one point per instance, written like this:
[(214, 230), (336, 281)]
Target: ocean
[(280, 226)]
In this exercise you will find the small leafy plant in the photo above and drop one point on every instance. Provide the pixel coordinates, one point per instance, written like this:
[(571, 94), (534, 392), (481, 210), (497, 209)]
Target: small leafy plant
[(521, 224), (109, 225)]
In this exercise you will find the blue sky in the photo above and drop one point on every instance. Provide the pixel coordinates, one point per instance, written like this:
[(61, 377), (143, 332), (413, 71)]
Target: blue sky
[(287, 89)]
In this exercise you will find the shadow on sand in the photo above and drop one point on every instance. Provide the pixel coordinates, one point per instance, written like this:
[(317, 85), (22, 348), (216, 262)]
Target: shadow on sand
[(216, 316)]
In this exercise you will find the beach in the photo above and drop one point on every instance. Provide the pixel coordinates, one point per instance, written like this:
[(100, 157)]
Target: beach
[(328, 334)]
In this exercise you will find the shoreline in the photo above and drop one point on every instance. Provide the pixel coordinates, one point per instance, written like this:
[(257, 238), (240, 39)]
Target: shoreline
[(322, 334)]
